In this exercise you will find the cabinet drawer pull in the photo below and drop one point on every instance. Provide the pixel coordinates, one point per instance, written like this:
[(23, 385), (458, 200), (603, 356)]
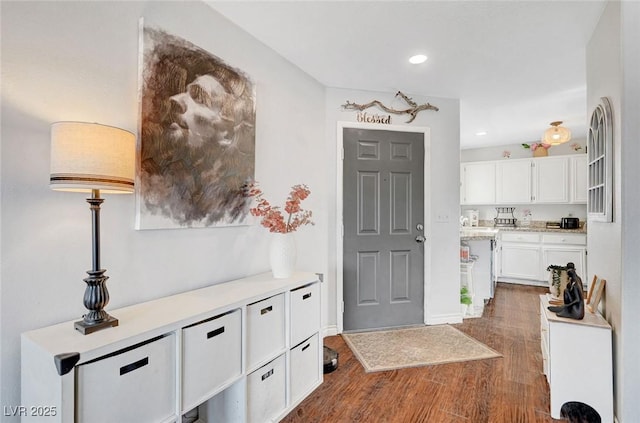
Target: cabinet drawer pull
[(133, 366), (306, 296), (266, 310), (305, 347), (215, 332), (266, 375)]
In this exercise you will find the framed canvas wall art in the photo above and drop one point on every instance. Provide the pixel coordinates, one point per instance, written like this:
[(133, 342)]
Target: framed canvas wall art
[(196, 144)]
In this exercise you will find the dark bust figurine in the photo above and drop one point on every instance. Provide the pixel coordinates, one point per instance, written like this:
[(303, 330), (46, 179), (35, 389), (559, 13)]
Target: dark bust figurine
[(578, 412), (573, 297)]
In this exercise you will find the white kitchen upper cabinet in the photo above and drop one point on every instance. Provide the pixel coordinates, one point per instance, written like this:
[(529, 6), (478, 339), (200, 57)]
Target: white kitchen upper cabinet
[(513, 182), (478, 183), (551, 180), (579, 191), (544, 180)]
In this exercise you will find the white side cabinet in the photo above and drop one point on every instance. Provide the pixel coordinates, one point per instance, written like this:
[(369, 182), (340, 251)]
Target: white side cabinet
[(248, 350), (577, 360)]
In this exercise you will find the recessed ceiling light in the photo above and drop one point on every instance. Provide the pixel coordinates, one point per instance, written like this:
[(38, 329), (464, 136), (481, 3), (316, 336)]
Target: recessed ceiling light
[(417, 59), (481, 133)]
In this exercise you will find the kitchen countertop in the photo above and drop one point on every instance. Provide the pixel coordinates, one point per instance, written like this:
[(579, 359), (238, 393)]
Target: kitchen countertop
[(480, 233), (582, 230)]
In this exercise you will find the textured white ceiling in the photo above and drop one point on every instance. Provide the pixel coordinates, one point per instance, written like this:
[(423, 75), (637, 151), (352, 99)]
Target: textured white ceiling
[(516, 66)]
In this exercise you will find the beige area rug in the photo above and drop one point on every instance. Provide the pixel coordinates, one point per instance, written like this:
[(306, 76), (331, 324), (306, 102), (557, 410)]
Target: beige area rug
[(414, 347)]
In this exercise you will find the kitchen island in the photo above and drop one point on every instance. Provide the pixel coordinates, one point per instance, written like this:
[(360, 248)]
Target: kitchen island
[(482, 244)]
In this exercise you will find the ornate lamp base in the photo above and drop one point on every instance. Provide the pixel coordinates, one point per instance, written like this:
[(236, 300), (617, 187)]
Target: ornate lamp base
[(87, 328), (96, 298)]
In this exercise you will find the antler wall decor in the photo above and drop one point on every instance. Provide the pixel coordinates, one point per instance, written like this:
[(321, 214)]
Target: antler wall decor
[(413, 110)]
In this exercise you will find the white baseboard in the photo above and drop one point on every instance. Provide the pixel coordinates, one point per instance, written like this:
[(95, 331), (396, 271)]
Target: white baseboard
[(523, 281), (331, 330), (443, 319)]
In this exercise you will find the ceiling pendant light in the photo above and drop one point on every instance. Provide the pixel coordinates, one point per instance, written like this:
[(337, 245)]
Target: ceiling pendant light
[(556, 134)]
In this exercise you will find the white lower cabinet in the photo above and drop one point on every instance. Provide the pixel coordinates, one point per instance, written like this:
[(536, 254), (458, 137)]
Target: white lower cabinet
[(305, 312), (526, 255), (266, 391), (265, 330), (221, 354), (520, 255), (521, 261), (305, 371), (561, 249), (136, 384), (212, 357)]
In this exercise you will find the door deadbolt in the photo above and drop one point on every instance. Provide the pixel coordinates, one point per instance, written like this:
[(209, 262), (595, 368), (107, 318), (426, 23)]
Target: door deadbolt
[(420, 226)]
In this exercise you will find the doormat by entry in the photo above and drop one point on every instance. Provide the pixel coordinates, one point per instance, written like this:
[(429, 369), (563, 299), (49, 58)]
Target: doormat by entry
[(415, 347)]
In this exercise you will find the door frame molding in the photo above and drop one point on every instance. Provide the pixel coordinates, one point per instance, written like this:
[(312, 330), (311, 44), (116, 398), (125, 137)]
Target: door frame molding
[(426, 132)]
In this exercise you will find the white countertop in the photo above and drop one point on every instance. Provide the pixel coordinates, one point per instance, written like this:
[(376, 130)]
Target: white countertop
[(473, 233), (478, 233)]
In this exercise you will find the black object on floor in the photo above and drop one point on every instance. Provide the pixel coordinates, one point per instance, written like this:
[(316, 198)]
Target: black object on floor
[(330, 360), (578, 412)]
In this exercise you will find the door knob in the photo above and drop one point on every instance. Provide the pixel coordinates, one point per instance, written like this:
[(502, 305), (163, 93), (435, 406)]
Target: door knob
[(420, 239)]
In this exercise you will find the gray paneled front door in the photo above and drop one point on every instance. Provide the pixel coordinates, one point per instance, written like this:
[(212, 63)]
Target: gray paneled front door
[(383, 188)]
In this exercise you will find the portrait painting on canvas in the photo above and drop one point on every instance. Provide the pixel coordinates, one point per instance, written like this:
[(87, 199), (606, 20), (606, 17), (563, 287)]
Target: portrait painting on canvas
[(197, 136)]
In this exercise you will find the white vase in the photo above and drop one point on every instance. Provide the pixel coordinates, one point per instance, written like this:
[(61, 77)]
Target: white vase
[(282, 255)]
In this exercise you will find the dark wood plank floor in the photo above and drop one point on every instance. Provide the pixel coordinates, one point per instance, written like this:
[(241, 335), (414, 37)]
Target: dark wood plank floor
[(511, 389)]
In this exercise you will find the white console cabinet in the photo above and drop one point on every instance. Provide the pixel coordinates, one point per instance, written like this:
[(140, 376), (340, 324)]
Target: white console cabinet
[(577, 360), (248, 350)]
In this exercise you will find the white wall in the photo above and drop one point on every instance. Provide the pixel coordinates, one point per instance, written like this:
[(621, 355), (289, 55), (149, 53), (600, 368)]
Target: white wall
[(444, 279), (604, 239), (613, 65), (78, 61), (517, 151), (628, 406)]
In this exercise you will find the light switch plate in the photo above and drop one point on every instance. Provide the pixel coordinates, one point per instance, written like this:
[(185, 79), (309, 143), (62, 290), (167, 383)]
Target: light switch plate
[(442, 218)]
